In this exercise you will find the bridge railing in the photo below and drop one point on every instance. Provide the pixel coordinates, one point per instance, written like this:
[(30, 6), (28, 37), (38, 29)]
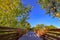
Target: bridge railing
[(52, 34), (7, 33)]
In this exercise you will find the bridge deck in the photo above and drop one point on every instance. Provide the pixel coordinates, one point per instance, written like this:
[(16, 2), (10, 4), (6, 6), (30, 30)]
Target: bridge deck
[(7, 33)]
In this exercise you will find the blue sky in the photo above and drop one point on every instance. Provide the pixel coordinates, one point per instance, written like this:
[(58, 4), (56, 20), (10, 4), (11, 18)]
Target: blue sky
[(38, 16)]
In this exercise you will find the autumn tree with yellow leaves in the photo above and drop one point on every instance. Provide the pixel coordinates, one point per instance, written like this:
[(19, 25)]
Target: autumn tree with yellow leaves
[(10, 10)]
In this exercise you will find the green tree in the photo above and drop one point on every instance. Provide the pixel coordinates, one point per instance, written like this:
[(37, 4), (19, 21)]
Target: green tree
[(24, 25), (51, 27), (51, 6), (22, 21), (10, 10), (27, 26), (39, 27)]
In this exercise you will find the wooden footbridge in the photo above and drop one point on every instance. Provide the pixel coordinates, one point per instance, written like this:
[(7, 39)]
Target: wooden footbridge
[(7, 33)]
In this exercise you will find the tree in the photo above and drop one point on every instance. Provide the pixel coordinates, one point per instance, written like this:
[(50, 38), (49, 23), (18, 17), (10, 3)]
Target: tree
[(22, 21), (10, 10), (24, 25), (51, 27), (51, 6), (27, 26), (39, 27), (42, 26)]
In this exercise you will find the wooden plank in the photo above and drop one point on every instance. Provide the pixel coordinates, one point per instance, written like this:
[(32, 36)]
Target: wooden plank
[(3, 27), (55, 37), (47, 36), (54, 33), (54, 30), (17, 33)]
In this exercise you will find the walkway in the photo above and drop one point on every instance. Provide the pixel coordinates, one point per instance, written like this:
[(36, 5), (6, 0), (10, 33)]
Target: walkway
[(30, 36)]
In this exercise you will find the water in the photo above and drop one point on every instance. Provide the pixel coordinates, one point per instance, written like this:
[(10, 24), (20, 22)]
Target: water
[(30, 36)]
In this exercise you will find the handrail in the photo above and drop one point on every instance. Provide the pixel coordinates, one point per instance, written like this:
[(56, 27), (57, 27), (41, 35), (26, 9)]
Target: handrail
[(52, 34), (8, 33)]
